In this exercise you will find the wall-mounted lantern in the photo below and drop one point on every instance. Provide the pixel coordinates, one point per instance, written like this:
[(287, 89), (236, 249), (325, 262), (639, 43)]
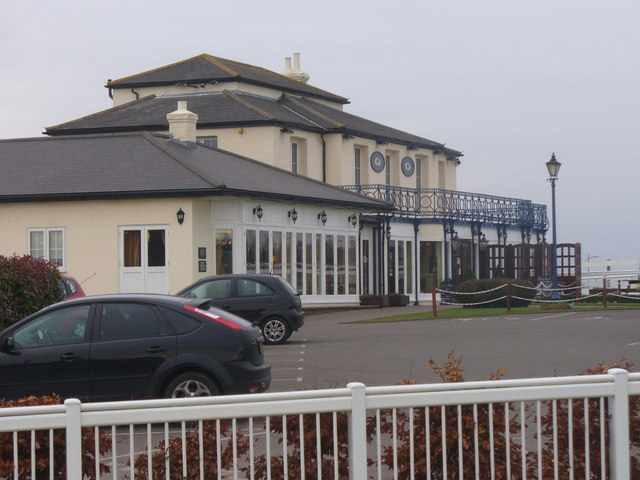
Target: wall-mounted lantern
[(484, 243), (293, 215), (258, 212), (180, 216), (353, 219), (322, 216)]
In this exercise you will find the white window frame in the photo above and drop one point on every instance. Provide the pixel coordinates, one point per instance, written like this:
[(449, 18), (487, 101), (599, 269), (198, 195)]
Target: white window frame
[(46, 247)]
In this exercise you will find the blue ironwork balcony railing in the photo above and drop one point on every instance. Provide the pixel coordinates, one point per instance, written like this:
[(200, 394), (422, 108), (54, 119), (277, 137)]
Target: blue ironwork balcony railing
[(441, 206)]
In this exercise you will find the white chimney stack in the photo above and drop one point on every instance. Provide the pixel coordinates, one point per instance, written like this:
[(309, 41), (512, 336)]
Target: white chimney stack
[(295, 73), (182, 123)]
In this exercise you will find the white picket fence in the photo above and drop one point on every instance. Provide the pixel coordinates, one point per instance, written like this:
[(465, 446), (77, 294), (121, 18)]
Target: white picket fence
[(560, 427)]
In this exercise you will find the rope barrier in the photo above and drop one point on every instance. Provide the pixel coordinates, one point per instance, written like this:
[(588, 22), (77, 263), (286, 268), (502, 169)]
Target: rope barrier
[(476, 303), (471, 293)]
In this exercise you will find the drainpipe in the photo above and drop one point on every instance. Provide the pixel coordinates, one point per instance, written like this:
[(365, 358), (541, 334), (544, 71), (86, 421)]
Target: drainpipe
[(416, 228), (110, 91), (135, 93), (324, 158)]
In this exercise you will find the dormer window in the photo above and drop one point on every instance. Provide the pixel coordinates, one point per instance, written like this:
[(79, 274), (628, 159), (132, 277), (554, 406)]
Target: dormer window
[(209, 141)]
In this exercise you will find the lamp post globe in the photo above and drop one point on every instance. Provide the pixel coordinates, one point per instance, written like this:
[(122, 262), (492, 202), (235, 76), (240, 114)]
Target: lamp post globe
[(553, 167)]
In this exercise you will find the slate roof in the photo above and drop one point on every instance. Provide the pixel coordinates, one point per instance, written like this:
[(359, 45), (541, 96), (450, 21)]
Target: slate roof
[(143, 165), (227, 108), (204, 69)]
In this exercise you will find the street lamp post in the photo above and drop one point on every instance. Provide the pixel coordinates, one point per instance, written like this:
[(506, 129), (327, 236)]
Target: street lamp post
[(553, 166)]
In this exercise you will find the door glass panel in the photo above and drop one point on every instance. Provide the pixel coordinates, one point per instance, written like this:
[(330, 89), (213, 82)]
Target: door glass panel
[(129, 320), (156, 248), (299, 260), (251, 288), (318, 264), (365, 267), (400, 266), (251, 251), (132, 251), (60, 327), (215, 289), (287, 253), (391, 266), (409, 267), (224, 251)]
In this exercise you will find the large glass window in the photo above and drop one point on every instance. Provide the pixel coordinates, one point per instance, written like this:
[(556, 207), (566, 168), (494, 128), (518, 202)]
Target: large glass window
[(264, 251), (318, 264), (401, 266), (329, 266), (309, 263), (224, 251), (391, 266), (352, 265), (288, 257), (251, 251), (295, 156), (341, 265), (409, 267), (299, 261), (47, 243), (365, 267), (277, 253)]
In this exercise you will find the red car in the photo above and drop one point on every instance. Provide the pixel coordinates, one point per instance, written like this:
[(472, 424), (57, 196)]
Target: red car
[(70, 288)]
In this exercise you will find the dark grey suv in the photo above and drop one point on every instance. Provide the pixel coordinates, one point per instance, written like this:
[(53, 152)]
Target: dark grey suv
[(122, 347), (265, 300)]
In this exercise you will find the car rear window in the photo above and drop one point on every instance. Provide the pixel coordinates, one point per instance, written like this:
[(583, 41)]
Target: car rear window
[(181, 323)]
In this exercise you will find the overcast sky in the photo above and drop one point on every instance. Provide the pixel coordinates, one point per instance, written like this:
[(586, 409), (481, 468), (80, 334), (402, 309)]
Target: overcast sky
[(507, 82)]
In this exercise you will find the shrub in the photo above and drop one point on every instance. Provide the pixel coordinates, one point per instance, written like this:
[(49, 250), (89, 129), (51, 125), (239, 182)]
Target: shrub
[(27, 284), (489, 295)]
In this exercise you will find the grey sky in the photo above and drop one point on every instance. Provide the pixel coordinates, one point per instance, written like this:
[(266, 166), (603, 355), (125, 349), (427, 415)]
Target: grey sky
[(506, 82)]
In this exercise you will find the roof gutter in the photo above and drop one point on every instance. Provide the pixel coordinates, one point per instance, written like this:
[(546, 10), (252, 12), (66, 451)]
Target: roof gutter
[(324, 157)]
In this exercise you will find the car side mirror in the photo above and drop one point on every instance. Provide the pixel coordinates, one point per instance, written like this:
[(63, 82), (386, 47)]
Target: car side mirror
[(8, 344), (298, 292)]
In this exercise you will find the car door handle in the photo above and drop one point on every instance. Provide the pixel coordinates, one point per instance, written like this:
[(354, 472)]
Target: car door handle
[(225, 307), (67, 357), (156, 349)]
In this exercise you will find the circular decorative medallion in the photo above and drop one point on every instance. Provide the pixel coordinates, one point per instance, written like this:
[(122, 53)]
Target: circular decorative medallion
[(377, 161), (408, 166)]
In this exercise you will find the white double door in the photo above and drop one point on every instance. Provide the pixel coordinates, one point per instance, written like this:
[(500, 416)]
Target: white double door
[(143, 259)]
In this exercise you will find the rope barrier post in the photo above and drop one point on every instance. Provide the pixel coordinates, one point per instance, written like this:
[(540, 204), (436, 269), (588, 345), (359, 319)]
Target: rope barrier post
[(604, 292), (434, 305), (509, 292)]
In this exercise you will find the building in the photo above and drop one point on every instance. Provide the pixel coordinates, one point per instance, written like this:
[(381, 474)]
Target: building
[(434, 232)]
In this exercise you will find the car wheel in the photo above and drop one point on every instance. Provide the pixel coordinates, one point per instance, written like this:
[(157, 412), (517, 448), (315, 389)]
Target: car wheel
[(275, 331), (191, 385)]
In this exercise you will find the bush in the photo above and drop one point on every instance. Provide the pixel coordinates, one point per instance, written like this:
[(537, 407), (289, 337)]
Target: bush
[(488, 294), (27, 284)]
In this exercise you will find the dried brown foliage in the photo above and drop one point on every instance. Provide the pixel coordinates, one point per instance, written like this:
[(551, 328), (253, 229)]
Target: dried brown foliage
[(173, 449), (42, 446)]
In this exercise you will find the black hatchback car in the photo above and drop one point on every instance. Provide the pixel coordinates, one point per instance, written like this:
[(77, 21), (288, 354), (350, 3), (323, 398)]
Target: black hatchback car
[(122, 347), (267, 301)]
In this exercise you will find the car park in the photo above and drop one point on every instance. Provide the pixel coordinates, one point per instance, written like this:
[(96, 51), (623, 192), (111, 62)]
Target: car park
[(267, 301), (126, 346)]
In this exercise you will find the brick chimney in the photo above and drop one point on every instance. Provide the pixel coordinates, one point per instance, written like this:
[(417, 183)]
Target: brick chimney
[(182, 124)]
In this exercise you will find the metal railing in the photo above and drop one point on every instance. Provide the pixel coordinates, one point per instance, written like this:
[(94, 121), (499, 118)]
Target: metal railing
[(568, 427), (440, 204)]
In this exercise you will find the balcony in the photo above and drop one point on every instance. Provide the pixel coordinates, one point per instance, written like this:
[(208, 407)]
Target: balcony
[(435, 205)]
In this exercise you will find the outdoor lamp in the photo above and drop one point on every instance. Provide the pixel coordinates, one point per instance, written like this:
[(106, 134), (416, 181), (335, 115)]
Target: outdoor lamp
[(322, 216), (258, 212), (483, 243), (180, 216), (553, 166), (293, 215), (353, 219), (387, 233), (455, 241)]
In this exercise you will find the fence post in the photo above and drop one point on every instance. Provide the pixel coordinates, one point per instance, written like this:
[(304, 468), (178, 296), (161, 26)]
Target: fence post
[(73, 439), (619, 427), (604, 292), (509, 293), (434, 305), (358, 432)]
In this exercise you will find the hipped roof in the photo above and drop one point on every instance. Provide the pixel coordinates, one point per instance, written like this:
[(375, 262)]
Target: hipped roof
[(145, 165)]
